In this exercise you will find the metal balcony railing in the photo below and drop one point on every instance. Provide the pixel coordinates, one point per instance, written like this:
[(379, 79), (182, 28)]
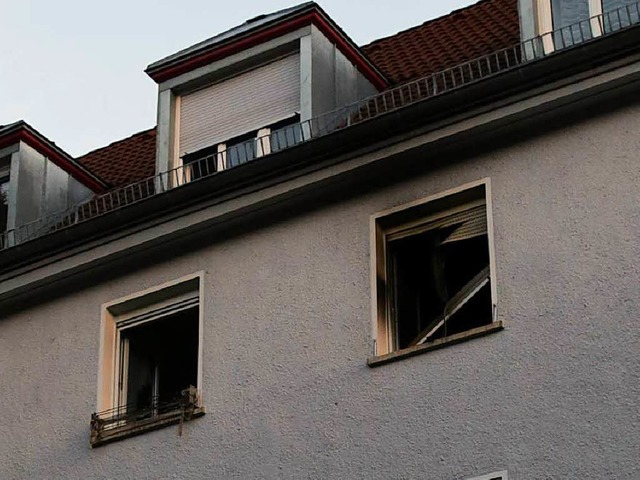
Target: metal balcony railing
[(390, 100), (132, 419)]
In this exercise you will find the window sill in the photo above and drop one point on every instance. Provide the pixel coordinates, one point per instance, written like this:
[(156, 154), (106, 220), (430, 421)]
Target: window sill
[(131, 429), (377, 361)]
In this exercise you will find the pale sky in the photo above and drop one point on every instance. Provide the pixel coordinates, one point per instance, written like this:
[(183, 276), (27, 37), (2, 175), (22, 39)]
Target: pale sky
[(74, 69)]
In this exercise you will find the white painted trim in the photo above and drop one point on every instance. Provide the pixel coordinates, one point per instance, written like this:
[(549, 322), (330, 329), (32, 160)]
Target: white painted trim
[(306, 75), (595, 11), (373, 280), (175, 159), (221, 157), (263, 142), (544, 24), (492, 248), (429, 199)]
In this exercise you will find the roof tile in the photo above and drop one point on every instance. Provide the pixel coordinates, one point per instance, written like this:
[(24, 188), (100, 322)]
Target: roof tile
[(463, 35), (125, 161)]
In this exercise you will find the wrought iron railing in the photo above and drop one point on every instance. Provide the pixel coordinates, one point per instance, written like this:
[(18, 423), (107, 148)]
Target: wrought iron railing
[(390, 100), (131, 419)]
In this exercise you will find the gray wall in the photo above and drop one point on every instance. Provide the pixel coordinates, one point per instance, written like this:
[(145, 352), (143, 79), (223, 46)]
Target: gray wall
[(336, 81), (43, 188), (30, 177), (287, 333)]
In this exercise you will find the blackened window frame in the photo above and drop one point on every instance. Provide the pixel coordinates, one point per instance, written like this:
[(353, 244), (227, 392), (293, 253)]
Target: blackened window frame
[(415, 216)]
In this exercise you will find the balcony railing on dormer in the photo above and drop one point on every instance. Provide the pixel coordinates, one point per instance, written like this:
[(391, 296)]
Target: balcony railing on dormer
[(370, 108)]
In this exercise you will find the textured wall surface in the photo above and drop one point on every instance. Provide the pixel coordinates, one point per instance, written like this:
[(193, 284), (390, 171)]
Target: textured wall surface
[(287, 333)]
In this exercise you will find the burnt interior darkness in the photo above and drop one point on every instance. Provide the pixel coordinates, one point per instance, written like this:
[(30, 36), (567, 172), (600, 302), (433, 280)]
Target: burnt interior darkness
[(163, 359), (426, 273)]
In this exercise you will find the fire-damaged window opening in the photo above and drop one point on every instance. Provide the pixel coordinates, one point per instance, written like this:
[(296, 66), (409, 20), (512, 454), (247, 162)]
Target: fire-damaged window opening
[(150, 361), (439, 278), (159, 360), (433, 272)]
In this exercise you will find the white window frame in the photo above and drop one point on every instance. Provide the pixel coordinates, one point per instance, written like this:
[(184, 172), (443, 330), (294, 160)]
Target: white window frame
[(133, 310), (382, 333)]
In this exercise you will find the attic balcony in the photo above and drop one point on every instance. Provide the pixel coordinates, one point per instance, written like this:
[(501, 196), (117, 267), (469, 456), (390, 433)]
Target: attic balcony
[(271, 143)]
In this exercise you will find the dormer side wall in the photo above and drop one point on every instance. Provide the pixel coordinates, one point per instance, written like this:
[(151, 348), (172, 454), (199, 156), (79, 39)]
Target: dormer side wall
[(336, 82)]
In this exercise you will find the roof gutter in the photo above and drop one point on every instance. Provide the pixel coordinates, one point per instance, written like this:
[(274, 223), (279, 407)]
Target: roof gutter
[(333, 148)]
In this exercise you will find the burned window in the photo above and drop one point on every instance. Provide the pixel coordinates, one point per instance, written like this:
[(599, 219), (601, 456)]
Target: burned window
[(150, 362), (433, 271), (159, 362)]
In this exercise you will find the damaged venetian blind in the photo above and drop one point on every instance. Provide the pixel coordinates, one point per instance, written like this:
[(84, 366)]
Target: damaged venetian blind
[(462, 224)]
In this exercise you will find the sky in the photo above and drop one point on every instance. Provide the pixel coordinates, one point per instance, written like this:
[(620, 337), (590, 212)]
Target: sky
[(74, 69)]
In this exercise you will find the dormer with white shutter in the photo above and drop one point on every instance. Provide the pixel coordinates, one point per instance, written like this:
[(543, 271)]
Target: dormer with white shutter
[(244, 93)]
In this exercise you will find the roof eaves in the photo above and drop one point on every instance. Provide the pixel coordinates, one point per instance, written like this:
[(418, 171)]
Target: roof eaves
[(248, 27), (307, 13)]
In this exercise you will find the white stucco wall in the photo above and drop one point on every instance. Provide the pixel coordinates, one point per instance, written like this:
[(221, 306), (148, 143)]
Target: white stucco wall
[(287, 333)]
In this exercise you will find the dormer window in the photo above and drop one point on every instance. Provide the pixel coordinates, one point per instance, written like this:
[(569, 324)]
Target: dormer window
[(564, 23), (243, 149), (222, 101), (233, 110)]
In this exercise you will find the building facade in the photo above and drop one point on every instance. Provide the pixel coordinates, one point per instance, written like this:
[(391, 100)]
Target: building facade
[(428, 272)]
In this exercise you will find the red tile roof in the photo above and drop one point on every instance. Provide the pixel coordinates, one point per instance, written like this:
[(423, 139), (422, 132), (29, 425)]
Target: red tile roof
[(125, 161), (463, 35)]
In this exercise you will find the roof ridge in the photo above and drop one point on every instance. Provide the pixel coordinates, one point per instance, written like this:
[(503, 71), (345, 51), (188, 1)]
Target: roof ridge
[(116, 142), (423, 24)]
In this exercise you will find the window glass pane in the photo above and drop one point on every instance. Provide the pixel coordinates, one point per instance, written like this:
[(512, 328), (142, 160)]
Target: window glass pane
[(202, 167), (570, 22), (241, 153), (285, 137), (619, 13)]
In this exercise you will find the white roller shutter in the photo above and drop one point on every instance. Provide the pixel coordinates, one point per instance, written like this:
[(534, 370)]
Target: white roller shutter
[(238, 105)]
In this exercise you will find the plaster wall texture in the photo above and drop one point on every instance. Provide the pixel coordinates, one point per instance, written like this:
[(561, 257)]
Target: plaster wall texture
[(287, 330)]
